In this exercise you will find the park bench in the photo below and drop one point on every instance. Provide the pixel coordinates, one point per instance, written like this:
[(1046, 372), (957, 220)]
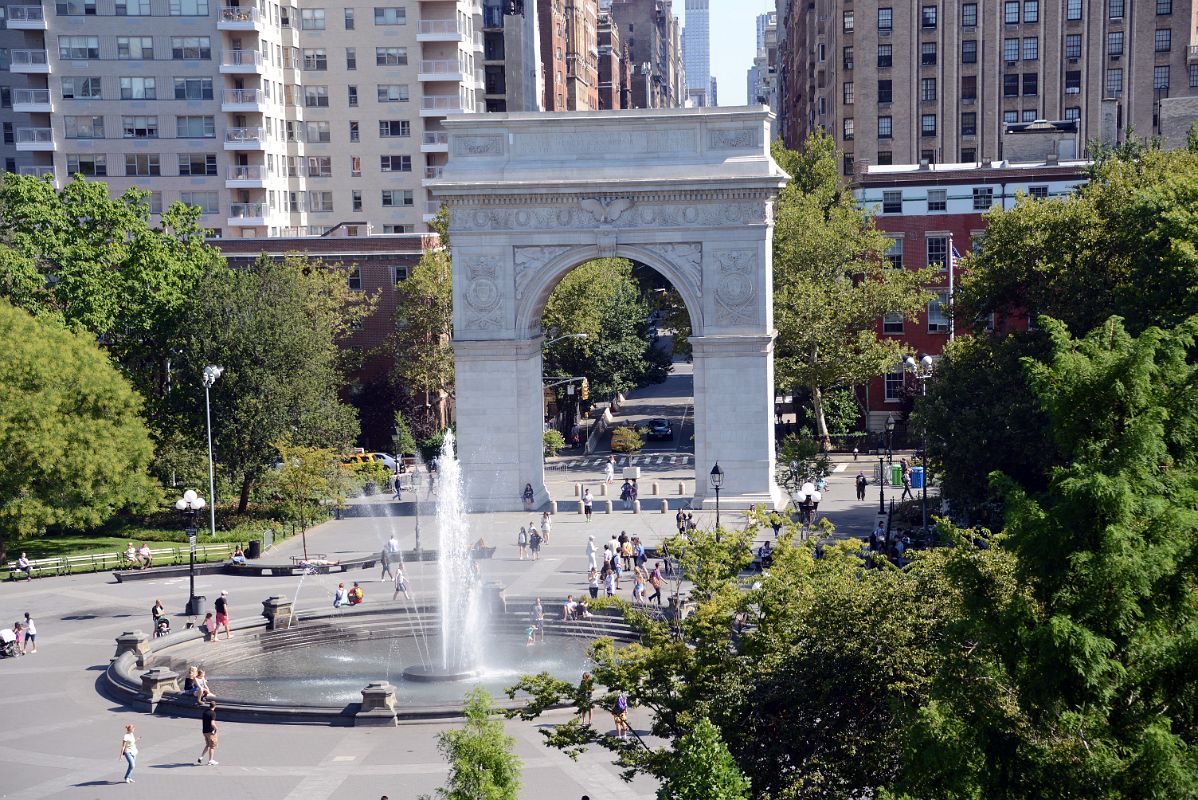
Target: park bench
[(37, 568)]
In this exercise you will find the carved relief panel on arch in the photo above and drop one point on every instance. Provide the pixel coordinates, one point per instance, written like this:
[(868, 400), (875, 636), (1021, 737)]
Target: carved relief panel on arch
[(482, 283)]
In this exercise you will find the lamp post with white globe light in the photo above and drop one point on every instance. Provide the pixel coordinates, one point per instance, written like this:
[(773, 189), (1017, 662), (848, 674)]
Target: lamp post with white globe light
[(191, 504), (211, 373), (922, 370), (806, 498)]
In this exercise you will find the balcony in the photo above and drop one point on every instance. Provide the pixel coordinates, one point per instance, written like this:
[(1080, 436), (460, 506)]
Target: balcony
[(239, 18), (439, 105), (241, 100), (432, 174), (1193, 54), (435, 142), (248, 177), (248, 215), (440, 30), (447, 70), (245, 139), (35, 61), (32, 101), (242, 62), (26, 18), (35, 139)]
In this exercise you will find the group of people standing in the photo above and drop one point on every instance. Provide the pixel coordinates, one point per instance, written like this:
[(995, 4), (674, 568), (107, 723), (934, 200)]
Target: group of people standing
[(22, 637), (623, 554), (530, 539)]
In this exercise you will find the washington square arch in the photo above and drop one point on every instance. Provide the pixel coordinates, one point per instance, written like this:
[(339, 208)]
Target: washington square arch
[(687, 192)]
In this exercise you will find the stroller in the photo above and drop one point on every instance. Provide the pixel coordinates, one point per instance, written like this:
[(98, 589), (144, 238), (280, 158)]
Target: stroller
[(8, 643), (162, 626)]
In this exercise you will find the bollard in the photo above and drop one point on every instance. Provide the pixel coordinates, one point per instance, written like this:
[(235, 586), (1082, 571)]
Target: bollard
[(636, 506), (578, 490), (665, 506), (656, 488), (378, 706), (582, 507), (277, 611), (681, 488), (552, 506), (607, 506), (603, 489)]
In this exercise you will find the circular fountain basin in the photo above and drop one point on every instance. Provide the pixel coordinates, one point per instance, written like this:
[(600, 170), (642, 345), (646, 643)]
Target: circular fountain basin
[(422, 673)]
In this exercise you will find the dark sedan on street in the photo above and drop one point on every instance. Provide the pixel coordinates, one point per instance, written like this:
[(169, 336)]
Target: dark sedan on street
[(660, 430)]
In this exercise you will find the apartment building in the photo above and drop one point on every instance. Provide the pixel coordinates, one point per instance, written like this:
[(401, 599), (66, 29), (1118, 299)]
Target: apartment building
[(696, 52), (762, 78), (614, 66), (275, 120), (512, 71), (939, 80), (569, 32), (651, 33)]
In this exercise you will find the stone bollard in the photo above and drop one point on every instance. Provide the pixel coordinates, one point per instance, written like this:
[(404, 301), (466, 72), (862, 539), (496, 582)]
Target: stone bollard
[(578, 490), (154, 683), (552, 506), (603, 489), (636, 506), (134, 642), (582, 507), (378, 706), (665, 506), (656, 488), (607, 506), (681, 488), (277, 611)]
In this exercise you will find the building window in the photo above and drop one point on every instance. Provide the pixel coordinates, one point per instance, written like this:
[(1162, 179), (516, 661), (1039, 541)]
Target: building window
[(1114, 82), (927, 54), (206, 202), (143, 164), (88, 127), (894, 253), (937, 251), (938, 313), (1031, 11), (78, 48), (139, 127), (393, 198), (191, 48), (1116, 8), (390, 15), (885, 91), (848, 129), (1164, 7), (848, 93), (1029, 115), (76, 8), (885, 157), (355, 133), (927, 89), (885, 129), (1010, 50), (1160, 77), (1010, 117), (135, 48), (393, 93), (320, 166), (139, 89), (1031, 84), (1073, 112), (847, 22), (969, 51), (895, 384), (885, 55), (132, 8), (1164, 40), (1038, 192), (885, 20), (847, 165), (320, 202), (354, 276), (1031, 48), (969, 123), (351, 58), (389, 128), (315, 58), (189, 8), (88, 164), (1114, 43), (969, 15), (927, 156), (969, 88), (1073, 81), (1193, 76), (927, 125), (969, 155), (197, 163), (928, 17), (1073, 10), (1073, 45), (848, 57), (390, 56), (318, 132), (80, 88), (349, 19), (892, 324), (155, 202), (1010, 85), (353, 95), (355, 198), (193, 88), (395, 163), (983, 198), (1011, 12), (937, 200), (892, 202), (195, 127), (312, 19)]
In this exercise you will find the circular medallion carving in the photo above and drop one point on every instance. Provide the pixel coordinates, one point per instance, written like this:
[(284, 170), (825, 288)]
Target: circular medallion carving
[(480, 220), (523, 219), (736, 289), (483, 294)]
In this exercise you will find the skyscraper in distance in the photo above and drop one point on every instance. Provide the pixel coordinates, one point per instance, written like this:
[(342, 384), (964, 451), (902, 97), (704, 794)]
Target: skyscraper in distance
[(696, 52)]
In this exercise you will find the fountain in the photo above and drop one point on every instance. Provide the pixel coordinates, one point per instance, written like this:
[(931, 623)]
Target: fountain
[(461, 611)]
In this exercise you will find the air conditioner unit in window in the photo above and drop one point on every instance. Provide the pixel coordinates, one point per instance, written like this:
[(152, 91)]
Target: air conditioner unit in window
[(1074, 60), (937, 327)]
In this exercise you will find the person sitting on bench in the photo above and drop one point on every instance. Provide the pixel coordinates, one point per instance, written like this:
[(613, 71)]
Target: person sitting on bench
[(144, 557), (23, 565)]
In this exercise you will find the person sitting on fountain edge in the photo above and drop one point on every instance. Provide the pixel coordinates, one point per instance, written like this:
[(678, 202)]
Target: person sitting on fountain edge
[(355, 594)]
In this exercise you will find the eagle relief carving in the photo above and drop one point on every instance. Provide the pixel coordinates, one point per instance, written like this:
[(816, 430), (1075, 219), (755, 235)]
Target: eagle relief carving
[(606, 210)]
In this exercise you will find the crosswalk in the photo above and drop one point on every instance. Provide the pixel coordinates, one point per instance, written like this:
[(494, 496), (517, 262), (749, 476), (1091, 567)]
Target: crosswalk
[(648, 460)]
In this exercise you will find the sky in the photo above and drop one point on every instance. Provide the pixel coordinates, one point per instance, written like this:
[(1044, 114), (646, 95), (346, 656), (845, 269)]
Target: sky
[(733, 43)]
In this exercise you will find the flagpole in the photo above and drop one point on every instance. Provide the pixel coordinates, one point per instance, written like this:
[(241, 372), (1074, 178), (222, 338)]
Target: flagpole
[(952, 267)]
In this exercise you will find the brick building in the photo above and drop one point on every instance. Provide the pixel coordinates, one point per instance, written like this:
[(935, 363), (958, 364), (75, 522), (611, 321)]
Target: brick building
[(652, 35), (614, 66), (569, 31)]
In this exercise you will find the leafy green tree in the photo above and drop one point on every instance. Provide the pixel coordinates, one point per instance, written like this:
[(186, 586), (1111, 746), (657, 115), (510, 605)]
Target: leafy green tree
[(832, 282), (482, 765), (423, 338), (73, 447), (703, 769), (553, 441), (306, 476), (626, 439), (800, 459), (1070, 674), (403, 441), (274, 327)]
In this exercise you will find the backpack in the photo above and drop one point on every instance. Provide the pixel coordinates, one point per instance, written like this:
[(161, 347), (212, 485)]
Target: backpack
[(622, 703)]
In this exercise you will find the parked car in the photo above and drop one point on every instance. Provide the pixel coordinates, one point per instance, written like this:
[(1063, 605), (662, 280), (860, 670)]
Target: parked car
[(358, 458), (660, 429)]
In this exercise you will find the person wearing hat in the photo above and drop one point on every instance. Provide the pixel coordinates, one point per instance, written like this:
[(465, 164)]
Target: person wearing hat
[(222, 615)]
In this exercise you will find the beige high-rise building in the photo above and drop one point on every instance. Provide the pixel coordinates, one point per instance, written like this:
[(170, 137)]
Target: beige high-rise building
[(275, 119), (940, 80)]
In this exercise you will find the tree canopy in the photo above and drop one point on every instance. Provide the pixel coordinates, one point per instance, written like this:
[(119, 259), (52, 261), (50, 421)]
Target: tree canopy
[(73, 447), (482, 765), (423, 340)]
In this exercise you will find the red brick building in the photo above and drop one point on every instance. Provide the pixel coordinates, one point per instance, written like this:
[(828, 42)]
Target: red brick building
[(928, 210)]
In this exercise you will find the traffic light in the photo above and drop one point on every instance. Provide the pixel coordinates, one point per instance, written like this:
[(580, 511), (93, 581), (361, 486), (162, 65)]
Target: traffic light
[(586, 390)]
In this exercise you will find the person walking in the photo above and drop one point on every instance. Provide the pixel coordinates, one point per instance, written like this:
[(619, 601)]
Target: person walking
[(906, 487), (680, 521), (401, 585), (397, 485), (534, 544), (222, 614), (588, 503), (609, 581), (30, 634), (861, 484), (593, 583), (208, 728), (655, 581), (522, 542), (546, 525), (385, 562), (129, 751), (591, 552), (609, 471), (626, 495)]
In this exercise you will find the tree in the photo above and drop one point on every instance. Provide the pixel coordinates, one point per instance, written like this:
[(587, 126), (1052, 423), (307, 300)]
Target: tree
[(482, 765), (274, 327), (73, 447), (626, 439), (403, 441), (553, 441), (1070, 672), (306, 476), (703, 769), (832, 282), (424, 336)]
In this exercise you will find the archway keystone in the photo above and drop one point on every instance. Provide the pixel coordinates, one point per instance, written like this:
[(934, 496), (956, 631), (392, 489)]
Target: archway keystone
[(688, 192)]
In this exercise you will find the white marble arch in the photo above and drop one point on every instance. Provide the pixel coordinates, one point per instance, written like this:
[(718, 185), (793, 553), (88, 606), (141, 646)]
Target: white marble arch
[(688, 192)]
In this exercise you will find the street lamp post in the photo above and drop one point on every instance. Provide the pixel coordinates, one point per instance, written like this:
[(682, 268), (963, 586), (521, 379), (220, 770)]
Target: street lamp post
[(923, 372), (890, 438), (211, 373), (717, 480), (563, 338), (806, 498), (190, 504), (881, 485)]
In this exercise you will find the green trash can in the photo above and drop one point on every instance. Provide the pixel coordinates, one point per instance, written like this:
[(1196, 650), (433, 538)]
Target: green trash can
[(896, 474)]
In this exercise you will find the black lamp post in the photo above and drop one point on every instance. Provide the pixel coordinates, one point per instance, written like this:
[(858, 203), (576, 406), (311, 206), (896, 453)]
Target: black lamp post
[(881, 485), (191, 504), (889, 438), (717, 480), (923, 372)]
